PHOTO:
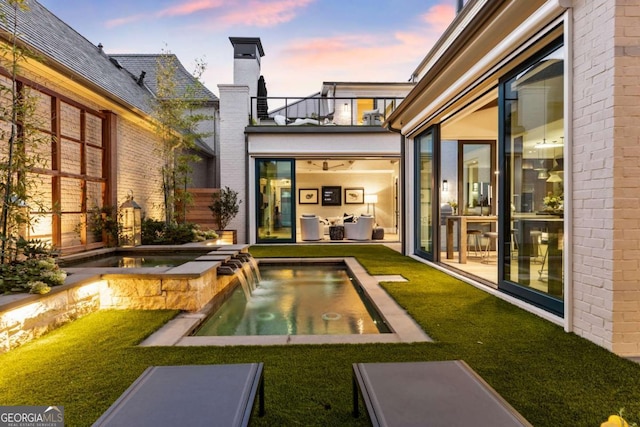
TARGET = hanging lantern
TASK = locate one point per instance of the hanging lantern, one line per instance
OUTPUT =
(131, 221)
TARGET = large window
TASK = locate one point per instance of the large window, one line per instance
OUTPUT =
(66, 144)
(533, 150)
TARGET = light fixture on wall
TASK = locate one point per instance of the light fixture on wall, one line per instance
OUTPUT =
(371, 199)
(445, 186)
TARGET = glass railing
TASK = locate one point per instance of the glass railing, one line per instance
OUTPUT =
(321, 111)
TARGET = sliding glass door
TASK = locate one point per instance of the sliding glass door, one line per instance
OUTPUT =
(426, 196)
(533, 126)
(275, 208)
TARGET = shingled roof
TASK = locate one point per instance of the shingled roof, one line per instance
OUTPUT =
(61, 46)
(147, 63)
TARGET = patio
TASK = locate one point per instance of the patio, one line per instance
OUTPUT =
(552, 378)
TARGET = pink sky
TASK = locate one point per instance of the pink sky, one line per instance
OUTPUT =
(306, 42)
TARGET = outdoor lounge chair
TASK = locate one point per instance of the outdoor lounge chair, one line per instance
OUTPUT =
(193, 395)
(447, 393)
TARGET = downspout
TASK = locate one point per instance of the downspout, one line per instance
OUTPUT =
(247, 186)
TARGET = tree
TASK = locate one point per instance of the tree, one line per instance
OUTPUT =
(177, 128)
(20, 140)
(225, 206)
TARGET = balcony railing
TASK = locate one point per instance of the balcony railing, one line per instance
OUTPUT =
(321, 111)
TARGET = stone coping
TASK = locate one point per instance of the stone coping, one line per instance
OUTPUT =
(403, 328)
(158, 249)
(11, 301)
(78, 276)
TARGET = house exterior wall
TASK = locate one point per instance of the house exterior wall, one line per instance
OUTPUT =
(135, 164)
(626, 158)
(606, 163)
(138, 164)
(602, 237)
(234, 116)
(139, 168)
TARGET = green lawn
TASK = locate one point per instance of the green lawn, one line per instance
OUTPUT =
(551, 377)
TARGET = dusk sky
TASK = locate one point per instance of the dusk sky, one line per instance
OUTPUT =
(306, 42)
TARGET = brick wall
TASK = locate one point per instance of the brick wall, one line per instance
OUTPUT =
(139, 168)
(592, 153)
(606, 154)
(626, 163)
(234, 116)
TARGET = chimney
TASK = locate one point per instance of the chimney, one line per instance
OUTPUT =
(247, 52)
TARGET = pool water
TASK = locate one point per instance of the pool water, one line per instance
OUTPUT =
(297, 300)
(134, 261)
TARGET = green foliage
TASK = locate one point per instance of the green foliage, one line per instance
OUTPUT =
(21, 141)
(156, 232)
(177, 128)
(34, 270)
(105, 221)
(225, 206)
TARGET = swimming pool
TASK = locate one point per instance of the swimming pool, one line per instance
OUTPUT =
(403, 329)
(320, 299)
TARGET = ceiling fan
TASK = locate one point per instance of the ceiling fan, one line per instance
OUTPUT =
(325, 165)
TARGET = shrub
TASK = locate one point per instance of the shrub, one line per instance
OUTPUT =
(34, 271)
(156, 232)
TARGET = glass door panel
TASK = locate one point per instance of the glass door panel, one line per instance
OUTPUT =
(477, 183)
(533, 114)
(424, 218)
(274, 204)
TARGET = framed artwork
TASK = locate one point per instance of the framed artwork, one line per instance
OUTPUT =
(308, 196)
(354, 196)
(331, 196)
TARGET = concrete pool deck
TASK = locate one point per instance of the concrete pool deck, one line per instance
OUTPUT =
(404, 328)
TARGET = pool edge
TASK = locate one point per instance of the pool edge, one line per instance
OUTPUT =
(403, 326)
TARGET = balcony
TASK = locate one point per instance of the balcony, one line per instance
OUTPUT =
(321, 111)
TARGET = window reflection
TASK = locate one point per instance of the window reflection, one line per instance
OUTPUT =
(534, 121)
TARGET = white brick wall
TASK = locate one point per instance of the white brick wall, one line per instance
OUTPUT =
(234, 117)
(139, 168)
(606, 162)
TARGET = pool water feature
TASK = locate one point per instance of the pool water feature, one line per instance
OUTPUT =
(295, 300)
(402, 328)
(133, 260)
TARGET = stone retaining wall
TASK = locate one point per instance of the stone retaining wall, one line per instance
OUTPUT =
(188, 287)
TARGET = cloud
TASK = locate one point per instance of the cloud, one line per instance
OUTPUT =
(190, 7)
(439, 16)
(378, 57)
(263, 13)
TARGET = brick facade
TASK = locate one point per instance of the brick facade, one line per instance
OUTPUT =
(606, 154)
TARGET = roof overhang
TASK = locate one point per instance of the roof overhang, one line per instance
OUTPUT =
(480, 39)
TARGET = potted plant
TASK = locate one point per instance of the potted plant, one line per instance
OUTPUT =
(225, 206)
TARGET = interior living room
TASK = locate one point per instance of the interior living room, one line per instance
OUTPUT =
(335, 200)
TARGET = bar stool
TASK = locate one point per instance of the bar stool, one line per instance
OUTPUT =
(474, 235)
(544, 239)
(490, 236)
(536, 237)
(515, 247)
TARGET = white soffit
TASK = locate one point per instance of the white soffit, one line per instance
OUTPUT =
(530, 26)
